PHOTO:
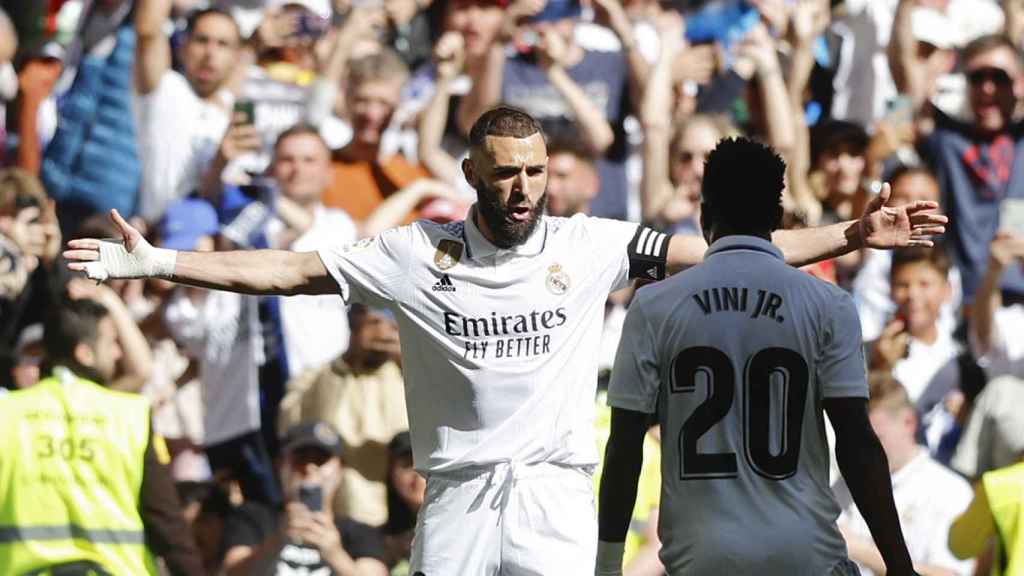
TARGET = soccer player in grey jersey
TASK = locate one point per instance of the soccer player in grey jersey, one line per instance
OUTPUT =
(739, 357)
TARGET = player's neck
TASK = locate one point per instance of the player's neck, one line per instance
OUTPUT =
(719, 232)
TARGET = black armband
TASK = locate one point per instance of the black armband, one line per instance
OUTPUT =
(648, 254)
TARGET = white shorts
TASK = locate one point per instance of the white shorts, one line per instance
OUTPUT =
(512, 520)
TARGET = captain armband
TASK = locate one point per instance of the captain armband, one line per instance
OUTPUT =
(648, 254)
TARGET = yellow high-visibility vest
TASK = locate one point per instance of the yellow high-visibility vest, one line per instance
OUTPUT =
(71, 461)
(1005, 491)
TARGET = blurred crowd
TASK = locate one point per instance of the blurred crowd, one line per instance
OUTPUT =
(245, 124)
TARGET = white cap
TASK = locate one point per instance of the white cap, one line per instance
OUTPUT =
(321, 8)
(934, 27)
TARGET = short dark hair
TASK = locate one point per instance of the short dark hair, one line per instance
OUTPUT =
(989, 42)
(197, 15)
(572, 144)
(71, 323)
(831, 134)
(907, 170)
(935, 256)
(743, 184)
(502, 120)
(301, 129)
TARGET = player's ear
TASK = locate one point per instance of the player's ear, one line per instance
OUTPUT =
(468, 171)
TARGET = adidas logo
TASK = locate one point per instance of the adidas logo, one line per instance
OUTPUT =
(443, 285)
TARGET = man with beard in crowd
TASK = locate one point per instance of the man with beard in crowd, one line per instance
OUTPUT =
(499, 317)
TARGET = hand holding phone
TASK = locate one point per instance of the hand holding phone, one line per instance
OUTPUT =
(311, 496)
(1011, 216)
(245, 110)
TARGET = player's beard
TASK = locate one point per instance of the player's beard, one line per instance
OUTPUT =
(507, 231)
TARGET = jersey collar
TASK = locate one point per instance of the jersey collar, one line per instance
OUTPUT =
(737, 242)
(478, 246)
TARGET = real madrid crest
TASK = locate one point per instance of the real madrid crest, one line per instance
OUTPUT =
(558, 280)
(448, 254)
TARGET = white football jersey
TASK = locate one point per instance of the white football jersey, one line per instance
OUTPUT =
(736, 356)
(498, 346)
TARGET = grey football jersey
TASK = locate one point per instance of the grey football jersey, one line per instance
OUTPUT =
(736, 356)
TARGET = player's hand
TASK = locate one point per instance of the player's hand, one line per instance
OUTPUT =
(885, 227)
(132, 257)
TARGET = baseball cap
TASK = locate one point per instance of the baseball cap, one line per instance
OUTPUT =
(556, 10)
(321, 8)
(933, 27)
(185, 221)
(315, 434)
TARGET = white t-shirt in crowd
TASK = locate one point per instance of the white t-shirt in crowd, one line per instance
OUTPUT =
(1005, 356)
(223, 333)
(315, 328)
(498, 345)
(179, 134)
(736, 356)
(923, 362)
(928, 498)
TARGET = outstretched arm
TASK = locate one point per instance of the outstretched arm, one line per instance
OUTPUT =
(881, 227)
(623, 459)
(248, 272)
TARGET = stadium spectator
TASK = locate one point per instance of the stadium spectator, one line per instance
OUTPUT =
(573, 181)
(206, 507)
(974, 162)
(870, 288)
(315, 328)
(992, 522)
(183, 116)
(28, 356)
(84, 432)
(406, 491)
(362, 178)
(362, 394)
(30, 241)
(928, 495)
(994, 433)
(306, 536)
(92, 162)
(220, 331)
(912, 345)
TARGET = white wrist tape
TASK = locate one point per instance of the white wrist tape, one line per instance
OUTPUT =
(609, 558)
(144, 261)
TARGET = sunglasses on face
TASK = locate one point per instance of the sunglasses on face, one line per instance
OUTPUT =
(995, 75)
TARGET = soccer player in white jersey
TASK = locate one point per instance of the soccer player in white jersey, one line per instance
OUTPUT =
(738, 356)
(500, 318)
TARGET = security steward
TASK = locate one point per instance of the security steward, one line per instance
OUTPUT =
(84, 486)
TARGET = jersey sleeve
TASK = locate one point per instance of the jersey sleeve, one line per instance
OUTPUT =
(635, 251)
(371, 270)
(635, 382)
(841, 366)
